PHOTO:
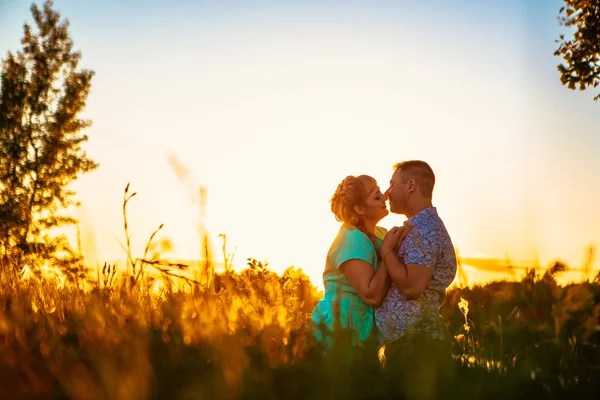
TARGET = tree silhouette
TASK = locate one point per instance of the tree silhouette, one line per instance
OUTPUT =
(581, 54)
(42, 91)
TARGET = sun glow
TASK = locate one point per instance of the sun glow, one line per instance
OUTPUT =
(268, 111)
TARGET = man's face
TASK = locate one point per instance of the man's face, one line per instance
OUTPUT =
(397, 193)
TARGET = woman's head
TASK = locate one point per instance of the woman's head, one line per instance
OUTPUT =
(358, 198)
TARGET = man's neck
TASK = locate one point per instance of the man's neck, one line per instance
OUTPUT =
(417, 208)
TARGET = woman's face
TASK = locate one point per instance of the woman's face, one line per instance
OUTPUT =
(375, 207)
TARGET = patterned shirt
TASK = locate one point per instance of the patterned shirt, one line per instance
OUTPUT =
(428, 244)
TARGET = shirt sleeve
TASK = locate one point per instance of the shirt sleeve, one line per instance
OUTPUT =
(422, 249)
(351, 245)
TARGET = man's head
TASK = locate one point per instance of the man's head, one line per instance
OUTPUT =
(411, 187)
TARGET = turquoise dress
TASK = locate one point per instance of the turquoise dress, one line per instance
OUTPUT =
(340, 297)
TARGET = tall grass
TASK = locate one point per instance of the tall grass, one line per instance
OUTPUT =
(247, 335)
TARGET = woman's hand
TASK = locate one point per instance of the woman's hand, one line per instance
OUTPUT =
(394, 238)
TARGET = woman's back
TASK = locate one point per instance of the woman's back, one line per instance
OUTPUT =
(341, 305)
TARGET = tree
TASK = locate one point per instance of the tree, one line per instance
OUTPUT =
(582, 53)
(42, 91)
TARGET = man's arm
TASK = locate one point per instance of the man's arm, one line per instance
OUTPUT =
(410, 279)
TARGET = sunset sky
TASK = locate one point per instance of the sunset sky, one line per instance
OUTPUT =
(270, 104)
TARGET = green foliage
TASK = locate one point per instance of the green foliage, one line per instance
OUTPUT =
(552, 332)
(248, 336)
(42, 91)
(581, 54)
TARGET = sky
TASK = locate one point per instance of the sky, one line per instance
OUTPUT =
(269, 105)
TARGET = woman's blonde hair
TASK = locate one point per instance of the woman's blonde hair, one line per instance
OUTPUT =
(352, 191)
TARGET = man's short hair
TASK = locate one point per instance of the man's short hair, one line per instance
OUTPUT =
(421, 172)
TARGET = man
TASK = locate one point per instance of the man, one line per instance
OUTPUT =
(421, 269)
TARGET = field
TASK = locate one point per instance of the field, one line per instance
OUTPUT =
(246, 335)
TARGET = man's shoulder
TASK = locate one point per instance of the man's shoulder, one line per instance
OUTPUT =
(430, 232)
(428, 228)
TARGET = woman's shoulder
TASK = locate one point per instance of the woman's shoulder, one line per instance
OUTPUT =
(350, 243)
(349, 232)
(380, 232)
(353, 232)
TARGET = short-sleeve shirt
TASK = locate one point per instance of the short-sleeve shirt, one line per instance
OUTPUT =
(340, 298)
(427, 244)
(349, 244)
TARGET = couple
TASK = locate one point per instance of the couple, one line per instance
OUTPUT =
(383, 285)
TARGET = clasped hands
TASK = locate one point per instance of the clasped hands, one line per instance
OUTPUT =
(393, 239)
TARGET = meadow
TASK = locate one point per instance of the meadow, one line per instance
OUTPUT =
(135, 335)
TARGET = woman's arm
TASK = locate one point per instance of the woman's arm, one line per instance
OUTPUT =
(371, 286)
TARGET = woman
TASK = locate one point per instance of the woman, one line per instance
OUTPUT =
(355, 280)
